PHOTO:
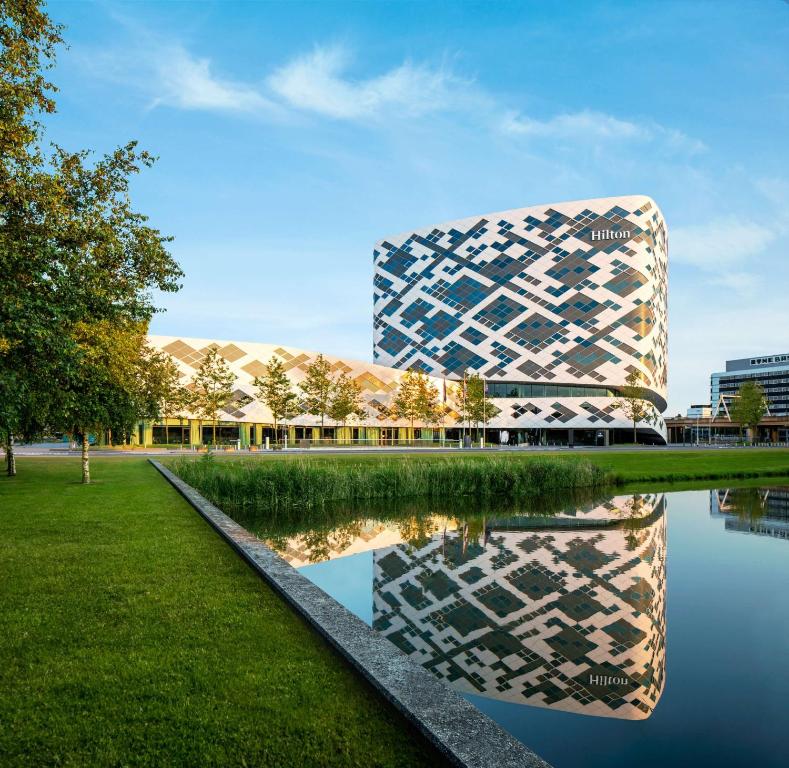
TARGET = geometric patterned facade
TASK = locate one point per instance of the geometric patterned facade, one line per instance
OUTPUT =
(571, 294)
(560, 301)
(378, 383)
(569, 619)
(247, 360)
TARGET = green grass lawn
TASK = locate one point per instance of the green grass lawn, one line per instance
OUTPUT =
(133, 635)
(647, 466)
(676, 466)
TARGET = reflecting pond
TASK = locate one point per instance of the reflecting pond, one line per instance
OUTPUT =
(642, 629)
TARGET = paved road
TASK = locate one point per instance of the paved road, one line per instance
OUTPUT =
(59, 449)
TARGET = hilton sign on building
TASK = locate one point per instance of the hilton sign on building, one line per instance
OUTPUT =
(609, 234)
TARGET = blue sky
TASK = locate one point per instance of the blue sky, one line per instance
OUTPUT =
(292, 136)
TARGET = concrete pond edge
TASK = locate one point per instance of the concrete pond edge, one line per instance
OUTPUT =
(454, 726)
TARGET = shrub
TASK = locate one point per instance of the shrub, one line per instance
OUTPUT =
(302, 484)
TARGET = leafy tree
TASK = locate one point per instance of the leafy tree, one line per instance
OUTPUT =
(73, 252)
(406, 402)
(212, 387)
(274, 390)
(749, 406)
(478, 408)
(106, 385)
(346, 400)
(427, 399)
(165, 395)
(633, 401)
(416, 398)
(23, 409)
(107, 261)
(458, 393)
(317, 386)
(27, 42)
(438, 414)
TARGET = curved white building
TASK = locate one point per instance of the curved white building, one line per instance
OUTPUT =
(553, 305)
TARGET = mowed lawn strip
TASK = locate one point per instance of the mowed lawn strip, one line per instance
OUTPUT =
(658, 465)
(681, 465)
(131, 634)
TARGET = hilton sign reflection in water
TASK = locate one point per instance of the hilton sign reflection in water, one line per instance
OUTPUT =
(546, 614)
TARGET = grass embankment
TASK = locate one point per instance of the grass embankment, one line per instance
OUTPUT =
(667, 466)
(133, 635)
(307, 483)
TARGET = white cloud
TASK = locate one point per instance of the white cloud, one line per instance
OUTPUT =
(589, 126)
(596, 125)
(187, 82)
(722, 242)
(317, 83)
(320, 82)
(745, 284)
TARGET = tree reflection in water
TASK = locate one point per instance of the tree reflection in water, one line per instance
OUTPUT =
(760, 511)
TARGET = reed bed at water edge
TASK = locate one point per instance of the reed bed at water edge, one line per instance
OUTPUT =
(305, 483)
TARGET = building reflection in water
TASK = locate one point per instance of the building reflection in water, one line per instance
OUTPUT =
(760, 511)
(568, 615)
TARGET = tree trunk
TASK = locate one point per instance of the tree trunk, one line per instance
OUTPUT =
(635, 435)
(10, 457)
(166, 432)
(213, 439)
(85, 459)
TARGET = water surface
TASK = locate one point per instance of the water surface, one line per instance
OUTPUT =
(643, 629)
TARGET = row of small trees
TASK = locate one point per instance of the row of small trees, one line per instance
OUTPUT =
(417, 399)
(322, 393)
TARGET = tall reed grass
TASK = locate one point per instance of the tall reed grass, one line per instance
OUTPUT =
(298, 483)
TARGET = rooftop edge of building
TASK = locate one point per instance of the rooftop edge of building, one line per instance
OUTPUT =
(579, 204)
(162, 340)
(756, 362)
